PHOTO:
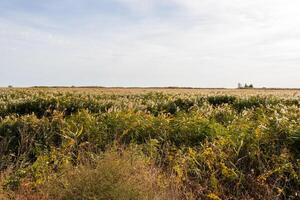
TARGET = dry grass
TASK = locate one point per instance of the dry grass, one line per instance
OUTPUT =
(115, 175)
(196, 91)
(3, 194)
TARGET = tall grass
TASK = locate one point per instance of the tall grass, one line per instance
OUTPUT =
(186, 146)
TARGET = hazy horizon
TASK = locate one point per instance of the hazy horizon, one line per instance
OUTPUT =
(150, 43)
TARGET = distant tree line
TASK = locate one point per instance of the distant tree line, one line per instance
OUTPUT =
(246, 86)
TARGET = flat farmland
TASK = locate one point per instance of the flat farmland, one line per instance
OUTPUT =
(289, 93)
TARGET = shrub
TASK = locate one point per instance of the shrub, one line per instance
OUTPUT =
(23, 139)
(115, 175)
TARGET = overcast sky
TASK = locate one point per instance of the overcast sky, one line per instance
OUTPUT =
(200, 43)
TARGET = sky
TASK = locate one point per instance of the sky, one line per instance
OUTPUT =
(188, 43)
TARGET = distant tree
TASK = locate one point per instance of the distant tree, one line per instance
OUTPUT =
(246, 86)
(10, 86)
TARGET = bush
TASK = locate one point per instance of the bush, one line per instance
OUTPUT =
(115, 175)
(24, 138)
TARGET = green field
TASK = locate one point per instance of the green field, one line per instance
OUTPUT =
(97, 143)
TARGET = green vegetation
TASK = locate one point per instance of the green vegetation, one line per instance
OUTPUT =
(63, 145)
